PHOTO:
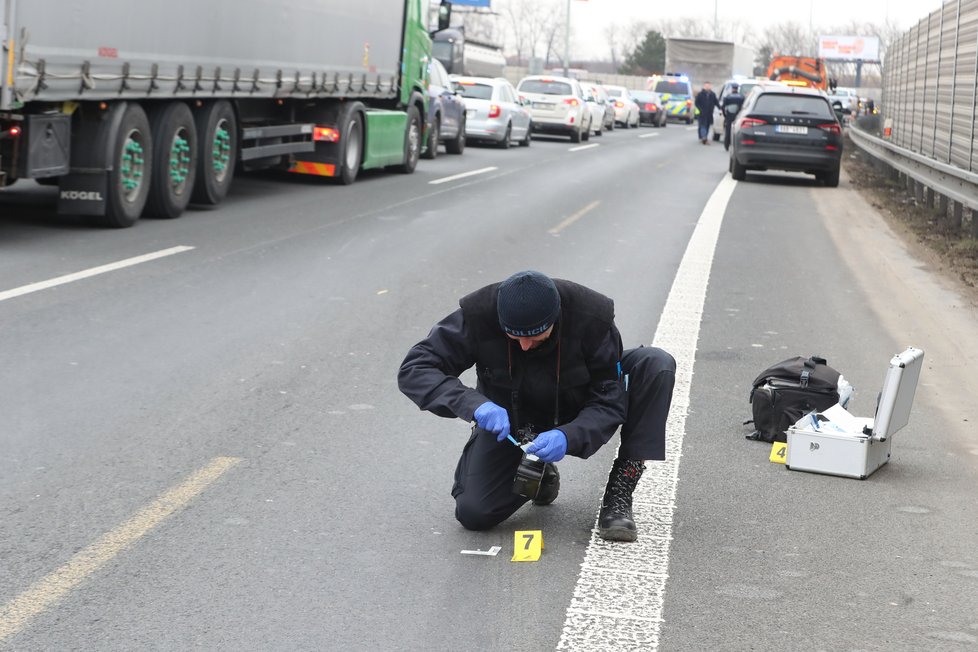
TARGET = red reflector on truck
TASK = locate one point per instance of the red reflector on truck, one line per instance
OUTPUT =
(327, 134)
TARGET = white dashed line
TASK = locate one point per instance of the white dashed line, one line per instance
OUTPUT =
(649, 135)
(583, 147)
(463, 175)
(620, 592)
(94, 271)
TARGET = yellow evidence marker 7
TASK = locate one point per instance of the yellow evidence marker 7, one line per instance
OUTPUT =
(779, 452)
(527, 545)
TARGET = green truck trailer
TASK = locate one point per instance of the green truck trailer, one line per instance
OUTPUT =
(138, 109)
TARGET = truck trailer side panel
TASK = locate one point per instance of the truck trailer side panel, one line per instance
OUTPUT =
(114, 49)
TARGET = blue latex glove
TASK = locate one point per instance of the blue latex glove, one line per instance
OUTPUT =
(493, 418)
(550, 446)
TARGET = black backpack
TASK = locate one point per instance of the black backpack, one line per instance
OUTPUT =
(785, 392)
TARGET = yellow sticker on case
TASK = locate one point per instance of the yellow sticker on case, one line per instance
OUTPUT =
(527, 545)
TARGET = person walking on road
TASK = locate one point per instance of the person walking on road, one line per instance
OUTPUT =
(730, 107)
(550, 370)
(706, 101)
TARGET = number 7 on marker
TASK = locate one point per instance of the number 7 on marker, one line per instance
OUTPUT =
(527, 545)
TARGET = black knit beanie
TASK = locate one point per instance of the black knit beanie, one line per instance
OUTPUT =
(528, 304)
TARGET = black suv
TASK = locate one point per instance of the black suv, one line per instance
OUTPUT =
(785, 127)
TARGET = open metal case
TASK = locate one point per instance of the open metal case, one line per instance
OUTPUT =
(835, 442)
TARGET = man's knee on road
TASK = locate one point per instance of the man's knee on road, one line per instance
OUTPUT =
(473, 514)
(650, 361)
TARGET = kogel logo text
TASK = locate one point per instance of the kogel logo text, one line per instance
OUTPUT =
(81, 195)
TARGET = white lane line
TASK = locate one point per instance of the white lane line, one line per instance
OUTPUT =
(692, 128)
(94, 271)
(463, 175)
(573, 218)
(649, 135)
(611, 605)
(17, 614)
(583, 147)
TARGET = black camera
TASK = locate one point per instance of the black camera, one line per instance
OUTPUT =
(529, 475)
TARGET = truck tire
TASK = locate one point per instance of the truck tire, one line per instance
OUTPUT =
(434, 134)
(217, 152)
(132, 166)
(457, 145)
(174, 160)
(412, 141)
(351, 145)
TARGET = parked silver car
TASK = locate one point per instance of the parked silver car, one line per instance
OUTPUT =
(626, 108)
(602, 109)
(557, 105)
(493, 111)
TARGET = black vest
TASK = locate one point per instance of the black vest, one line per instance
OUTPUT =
(526, 382)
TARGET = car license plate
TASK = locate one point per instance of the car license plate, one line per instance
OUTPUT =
(469, 113)
(791, 129)
(546, 106)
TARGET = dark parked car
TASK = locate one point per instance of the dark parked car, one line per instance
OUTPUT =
(446, 113)
(650, 108)
(787, 128)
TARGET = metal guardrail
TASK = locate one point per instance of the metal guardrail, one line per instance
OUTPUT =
(946, 180)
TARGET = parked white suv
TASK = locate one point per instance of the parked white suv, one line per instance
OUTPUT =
(557, 106)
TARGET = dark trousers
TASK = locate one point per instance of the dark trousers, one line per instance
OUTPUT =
(704, 123)
(483, 489)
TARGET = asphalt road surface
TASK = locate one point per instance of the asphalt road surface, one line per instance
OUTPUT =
(202, 444)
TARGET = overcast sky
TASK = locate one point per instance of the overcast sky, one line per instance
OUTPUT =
(597, 14)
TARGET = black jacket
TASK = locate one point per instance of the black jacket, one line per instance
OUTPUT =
(706, 101)
(584, 350)
(731, 106)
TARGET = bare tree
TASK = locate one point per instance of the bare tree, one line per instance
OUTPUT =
(790, 39)
(684, 27)
(529, 26)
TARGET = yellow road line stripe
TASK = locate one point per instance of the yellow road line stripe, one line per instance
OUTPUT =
(16, 614)
(573, 218)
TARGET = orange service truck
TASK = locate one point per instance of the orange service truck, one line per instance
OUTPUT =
(807, 71)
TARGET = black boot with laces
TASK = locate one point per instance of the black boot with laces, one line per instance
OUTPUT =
(615, 522)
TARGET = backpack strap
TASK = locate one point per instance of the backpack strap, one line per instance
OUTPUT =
(810, 365)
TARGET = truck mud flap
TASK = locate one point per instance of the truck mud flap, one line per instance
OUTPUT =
(48, 139)
(83, 194)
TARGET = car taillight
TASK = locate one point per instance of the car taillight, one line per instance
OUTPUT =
(650, 107)
(13, 132)
(494, 111)
(832, 128)
(689, 103)
(619, 104)
(327, 134)
(572, 101)
(751, 122)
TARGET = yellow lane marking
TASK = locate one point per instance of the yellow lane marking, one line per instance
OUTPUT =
(573, 218)
(16, 614)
